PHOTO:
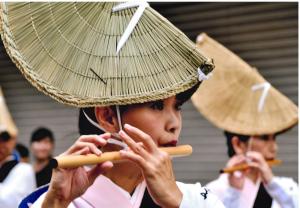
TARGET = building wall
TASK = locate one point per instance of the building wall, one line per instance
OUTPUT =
(264, 34)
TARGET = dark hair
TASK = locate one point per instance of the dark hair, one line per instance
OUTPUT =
(22, 150)
(4, 136)
(229, 136)
(86, 128)
(40, 134)
(186, 95)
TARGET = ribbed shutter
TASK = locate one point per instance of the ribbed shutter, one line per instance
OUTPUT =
(31, 109)
(263, 34)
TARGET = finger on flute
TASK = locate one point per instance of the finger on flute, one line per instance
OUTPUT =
(246, 166)
(73, 161)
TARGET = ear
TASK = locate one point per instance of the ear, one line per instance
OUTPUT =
(107, 119)
(238, 146)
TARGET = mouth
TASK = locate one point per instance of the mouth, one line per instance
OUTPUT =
(172, 143)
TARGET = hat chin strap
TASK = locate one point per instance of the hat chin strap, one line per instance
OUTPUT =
(110, 140)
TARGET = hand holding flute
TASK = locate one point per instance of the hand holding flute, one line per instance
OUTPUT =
(245, 166)
(73, 161)
(249, 164)
(145, 154)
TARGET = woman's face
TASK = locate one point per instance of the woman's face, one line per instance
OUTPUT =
(42, 150)
(159, 119)
(266, 145)
(6, 148)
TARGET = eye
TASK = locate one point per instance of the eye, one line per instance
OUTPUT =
(264, 137)
(158, 105)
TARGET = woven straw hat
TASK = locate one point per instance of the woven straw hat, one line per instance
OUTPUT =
(233, 98)
(73, 52)
(6, 121)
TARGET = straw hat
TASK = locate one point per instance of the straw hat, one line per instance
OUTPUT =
(237, 98)
(6, 121)
(77, 53)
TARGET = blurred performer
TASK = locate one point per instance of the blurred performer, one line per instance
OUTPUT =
(42, 145)
(252, 113)
(16, 178)
(23, 153)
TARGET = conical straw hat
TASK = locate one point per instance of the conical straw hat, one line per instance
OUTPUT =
(6, 121)
(230, 101)
(69, 51)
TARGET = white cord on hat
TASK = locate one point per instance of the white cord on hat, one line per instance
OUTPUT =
(3, 127)
(110, 140)
(265, 86)
(202, 76)
(133, 22)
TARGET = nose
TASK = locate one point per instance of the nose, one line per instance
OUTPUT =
(173, 123)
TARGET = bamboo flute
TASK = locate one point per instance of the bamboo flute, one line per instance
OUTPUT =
(245, 166)
(73, 161)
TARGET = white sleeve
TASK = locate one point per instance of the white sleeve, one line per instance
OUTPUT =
(196, 196)
(231, 197)
(284, 190)
(18, 184)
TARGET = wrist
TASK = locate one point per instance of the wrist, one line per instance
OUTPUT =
(267, 174)
(52, 199)
(268, 178)
(174, 200)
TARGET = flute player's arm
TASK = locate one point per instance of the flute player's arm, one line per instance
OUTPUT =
(228, 186)
(283, 190)
(68, 184)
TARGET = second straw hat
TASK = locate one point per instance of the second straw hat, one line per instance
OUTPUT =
(99, 54)
(6, 121)
(237, 98)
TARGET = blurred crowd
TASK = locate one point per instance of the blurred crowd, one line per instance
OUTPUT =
(18, 176)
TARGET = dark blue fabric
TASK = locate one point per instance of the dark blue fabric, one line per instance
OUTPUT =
(6, 168)
(31, 198)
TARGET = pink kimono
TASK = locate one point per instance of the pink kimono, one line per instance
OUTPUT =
(106, 194)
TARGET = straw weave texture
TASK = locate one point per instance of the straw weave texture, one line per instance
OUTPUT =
(6, 121)
(227, 100)
(68, 51)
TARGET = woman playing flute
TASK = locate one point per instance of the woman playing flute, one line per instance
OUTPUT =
(251, 121)
(134, 70)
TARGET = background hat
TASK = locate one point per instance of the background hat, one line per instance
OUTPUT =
(237, 98)
(69, 51)
(6, 121)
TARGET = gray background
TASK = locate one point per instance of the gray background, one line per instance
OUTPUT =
(263, 34)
